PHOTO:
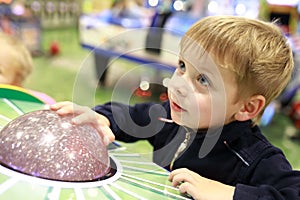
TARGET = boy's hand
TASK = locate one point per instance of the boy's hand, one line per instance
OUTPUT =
(85, 115)
(198, 187)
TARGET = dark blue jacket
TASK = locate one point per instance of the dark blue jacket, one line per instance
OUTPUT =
(241, 156)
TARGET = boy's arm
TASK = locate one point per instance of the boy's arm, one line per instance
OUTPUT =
(132, 123)
(272, 178)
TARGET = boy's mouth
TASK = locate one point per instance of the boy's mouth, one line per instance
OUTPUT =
(176, 107)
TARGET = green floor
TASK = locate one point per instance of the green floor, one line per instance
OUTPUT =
(62, 77)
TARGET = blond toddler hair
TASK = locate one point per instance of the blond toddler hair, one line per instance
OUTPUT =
(16, 57)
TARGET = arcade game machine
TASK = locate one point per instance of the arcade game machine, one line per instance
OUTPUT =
(17, 18)
(286, 15)
(187, 12)
(130, 175)
(286, 12)
(56, 13)
(125, 32)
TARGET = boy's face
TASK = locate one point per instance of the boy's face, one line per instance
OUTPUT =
(201, 94)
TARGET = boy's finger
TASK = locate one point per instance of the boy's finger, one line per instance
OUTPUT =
(106, 133)
(59, 105)
(70, 108)
(102, 129)
(179, 179)
(66, 109)
(176, 172)
(82, 119)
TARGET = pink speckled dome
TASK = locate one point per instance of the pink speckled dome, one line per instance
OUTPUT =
(46, 145)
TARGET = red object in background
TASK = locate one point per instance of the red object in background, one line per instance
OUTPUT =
(295, 114)
(6, 25)
(54, 48)
(142, 93)
(147, 93)
(163, 97)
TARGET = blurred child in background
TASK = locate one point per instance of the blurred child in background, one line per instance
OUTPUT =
(16, 64)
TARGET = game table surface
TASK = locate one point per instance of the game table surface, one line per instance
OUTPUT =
(136, 176)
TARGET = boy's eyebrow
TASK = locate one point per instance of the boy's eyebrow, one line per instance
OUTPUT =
(209, 74)
(204, 70)
(198, 67)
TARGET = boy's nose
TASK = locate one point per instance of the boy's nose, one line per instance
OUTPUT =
(181, 91)
(178, 86)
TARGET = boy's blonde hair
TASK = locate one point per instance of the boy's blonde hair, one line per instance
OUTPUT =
(17, 56)
(256, 51)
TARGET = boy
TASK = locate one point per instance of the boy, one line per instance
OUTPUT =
(229, 69)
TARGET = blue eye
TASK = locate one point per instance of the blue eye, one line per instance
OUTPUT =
(181, 66)
(203, 80)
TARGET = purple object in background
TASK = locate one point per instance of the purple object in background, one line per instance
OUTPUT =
(46, 145)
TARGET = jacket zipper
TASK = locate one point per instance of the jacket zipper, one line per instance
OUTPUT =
(182, 147)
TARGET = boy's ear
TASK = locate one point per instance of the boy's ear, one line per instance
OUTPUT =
(250, 108)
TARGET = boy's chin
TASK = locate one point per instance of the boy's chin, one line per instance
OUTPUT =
(186, 124)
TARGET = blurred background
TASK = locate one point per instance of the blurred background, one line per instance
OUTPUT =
(94, 51)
